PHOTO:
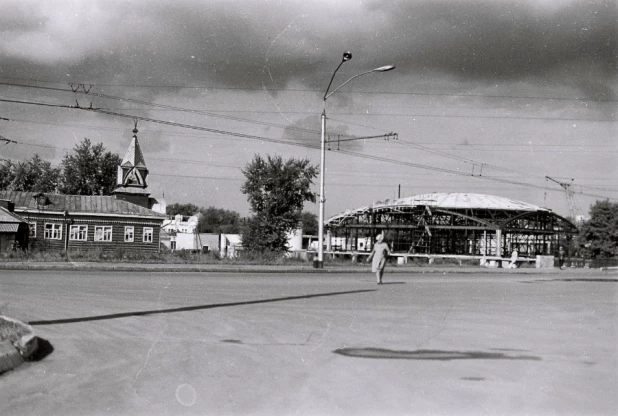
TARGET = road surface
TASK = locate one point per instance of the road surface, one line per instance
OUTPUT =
(147, 343)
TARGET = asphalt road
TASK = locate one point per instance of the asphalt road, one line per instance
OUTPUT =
(144, 343)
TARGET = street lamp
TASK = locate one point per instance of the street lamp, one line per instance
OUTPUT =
(319, 263)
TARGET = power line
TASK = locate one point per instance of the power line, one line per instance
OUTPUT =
(415, 93)
(163, 106)
(261, 138)
(453, 172)
(202, 112)
(477, 147)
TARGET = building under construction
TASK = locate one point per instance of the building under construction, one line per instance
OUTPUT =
(451, 224)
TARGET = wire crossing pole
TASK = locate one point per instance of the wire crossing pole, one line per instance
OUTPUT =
(319, 262)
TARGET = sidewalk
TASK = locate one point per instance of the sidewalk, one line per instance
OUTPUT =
(250, 268)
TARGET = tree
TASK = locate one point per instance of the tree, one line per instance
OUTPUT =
(599, 235)
(218, 220)
(186, 210)
(90, 171)
(34, 175)
(309, 222)
(7, 173)
(276, 191)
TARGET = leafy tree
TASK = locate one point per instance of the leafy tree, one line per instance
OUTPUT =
(7, 173)
(185, 210)
(89, 171)
(263, 236)
(309, 222)
(600, 233)
(34, 175)
(218, 220)
(276, 191)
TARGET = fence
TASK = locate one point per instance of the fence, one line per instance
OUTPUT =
(590, 263)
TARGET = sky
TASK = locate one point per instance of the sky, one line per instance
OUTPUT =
(488, 96)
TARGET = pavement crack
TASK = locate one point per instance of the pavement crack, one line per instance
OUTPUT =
(154, 342)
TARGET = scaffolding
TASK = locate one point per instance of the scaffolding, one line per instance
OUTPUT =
(439, 229)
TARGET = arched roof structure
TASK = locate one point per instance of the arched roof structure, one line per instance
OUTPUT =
(453, 222)
(449, 201)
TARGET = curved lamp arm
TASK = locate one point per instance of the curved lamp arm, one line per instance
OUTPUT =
(346, 57)
(380, 69)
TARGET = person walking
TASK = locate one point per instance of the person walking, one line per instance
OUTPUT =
(379, 254)
(561, 255)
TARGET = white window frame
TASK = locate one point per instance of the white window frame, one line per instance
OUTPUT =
(78, 232)
(52, 231)
(148, 235)
(105, 231)
(32, 229)
(127, 238)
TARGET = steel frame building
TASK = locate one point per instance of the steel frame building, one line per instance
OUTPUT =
(452, 224)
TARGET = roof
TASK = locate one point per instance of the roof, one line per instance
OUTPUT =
(9, 228)
(131, 190)
(449, 201)
(8, 217)
(79, 204)
(233, 239)
(134, 156)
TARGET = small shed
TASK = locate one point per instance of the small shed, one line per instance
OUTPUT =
(13, 229)
(230, 244)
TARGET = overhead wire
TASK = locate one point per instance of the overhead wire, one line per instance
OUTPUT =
(399, 92)
(167, 107)
(223, 132)
(286, 142)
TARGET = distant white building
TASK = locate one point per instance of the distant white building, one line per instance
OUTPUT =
(181, 224)
(182, 231)
(230, 245)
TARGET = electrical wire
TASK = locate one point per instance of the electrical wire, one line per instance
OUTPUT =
(414, 93)
(279, 141)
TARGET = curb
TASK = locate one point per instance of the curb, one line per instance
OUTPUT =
(215, 268)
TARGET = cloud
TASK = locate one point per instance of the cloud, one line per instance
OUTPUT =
(500, 40)
(306, 131)
(249, 45)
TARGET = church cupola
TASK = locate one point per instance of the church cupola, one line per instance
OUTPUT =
(132, 176)
(132, 171)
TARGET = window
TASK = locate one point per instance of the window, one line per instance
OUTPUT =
(52, 231)
(129, 233)
(32, 229)
(103, 233)
(78, 232)
(173, 245)
(148, 234)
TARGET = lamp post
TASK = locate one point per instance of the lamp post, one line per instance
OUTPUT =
(319, 263)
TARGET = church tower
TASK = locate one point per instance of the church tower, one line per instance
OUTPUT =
(132, 176)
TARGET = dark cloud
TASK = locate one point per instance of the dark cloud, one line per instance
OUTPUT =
(307, 130)
(508, 41)
(246, 45)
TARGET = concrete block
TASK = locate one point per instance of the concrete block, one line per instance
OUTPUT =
(19, 334)
(9, 356)
(544, 262)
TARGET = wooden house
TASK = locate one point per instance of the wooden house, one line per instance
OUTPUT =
(129, 220)
(13, 228)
